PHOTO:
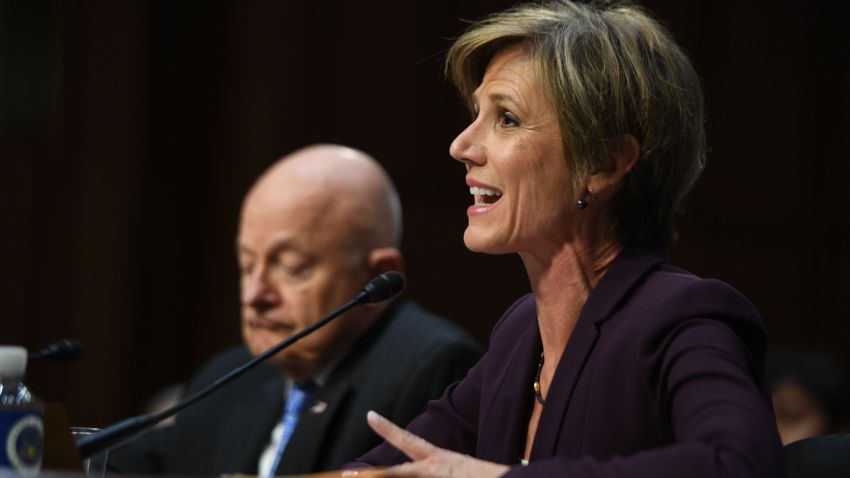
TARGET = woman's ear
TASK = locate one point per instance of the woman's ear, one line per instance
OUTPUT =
(624, 153)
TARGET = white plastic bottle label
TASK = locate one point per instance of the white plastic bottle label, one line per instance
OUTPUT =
(23, 441)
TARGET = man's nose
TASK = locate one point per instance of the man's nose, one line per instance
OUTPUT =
(258, 291)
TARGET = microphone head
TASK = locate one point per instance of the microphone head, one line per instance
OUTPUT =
(63, 350)
(383, 287)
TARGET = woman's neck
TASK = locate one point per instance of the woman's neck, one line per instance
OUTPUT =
(561, 281)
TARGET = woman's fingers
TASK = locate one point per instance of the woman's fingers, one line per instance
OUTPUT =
(429, 461)
(446, 464)
(411, 445)
(405, 470)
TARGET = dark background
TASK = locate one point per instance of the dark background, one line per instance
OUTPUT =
(129, 131)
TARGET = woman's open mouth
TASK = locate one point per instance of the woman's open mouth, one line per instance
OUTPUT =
(485, 196)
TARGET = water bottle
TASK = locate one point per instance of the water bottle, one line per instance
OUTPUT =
(21, 417)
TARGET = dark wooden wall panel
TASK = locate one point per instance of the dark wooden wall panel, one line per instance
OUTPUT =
(129, 132)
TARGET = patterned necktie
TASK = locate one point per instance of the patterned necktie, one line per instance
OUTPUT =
(291, 411)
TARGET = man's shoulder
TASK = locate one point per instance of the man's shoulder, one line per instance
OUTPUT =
(227, 360)
(230, 357)
(418, 329)
(408, 336)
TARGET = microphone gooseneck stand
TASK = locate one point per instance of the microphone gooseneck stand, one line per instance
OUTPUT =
(381, 288)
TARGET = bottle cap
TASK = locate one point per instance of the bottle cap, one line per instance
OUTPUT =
(13, 361)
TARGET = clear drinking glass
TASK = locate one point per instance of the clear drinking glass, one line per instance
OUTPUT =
(95, 465)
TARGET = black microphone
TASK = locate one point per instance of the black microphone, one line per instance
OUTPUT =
(64, 350)
(381, 288)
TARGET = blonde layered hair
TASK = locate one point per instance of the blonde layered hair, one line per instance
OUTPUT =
(610, 70)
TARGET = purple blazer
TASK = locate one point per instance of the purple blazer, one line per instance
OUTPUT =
(662, 376)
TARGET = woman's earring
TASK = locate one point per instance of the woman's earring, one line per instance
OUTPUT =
(585, 201)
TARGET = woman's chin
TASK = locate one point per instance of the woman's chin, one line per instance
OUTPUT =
(476, 241)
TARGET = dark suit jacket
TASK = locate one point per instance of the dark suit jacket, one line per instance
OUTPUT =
(407, 358)
(819, 457)
(661, 377)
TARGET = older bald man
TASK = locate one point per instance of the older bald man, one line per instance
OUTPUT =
(314, 228)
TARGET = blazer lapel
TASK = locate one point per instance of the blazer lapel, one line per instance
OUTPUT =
(560, 392)
(506, 422)
(302, 451)
(249, 428)
(625, 272)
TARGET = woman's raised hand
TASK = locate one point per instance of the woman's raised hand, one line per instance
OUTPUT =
(428, 460)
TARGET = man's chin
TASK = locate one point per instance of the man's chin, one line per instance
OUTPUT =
(291, 360)
(258, 345)
(294, 365)
(279, 359)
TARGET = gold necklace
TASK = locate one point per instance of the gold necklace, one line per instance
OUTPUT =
(537, 393)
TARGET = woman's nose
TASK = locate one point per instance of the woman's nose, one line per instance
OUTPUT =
(467, 148)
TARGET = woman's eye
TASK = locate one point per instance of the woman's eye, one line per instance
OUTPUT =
(508, 119)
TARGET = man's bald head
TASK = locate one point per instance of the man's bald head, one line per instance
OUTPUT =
(314, 229)
(342, 181)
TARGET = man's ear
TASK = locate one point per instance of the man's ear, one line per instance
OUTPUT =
(624, 153)
(385, 259)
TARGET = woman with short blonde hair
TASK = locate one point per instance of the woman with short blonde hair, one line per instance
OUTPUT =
(588, 132)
